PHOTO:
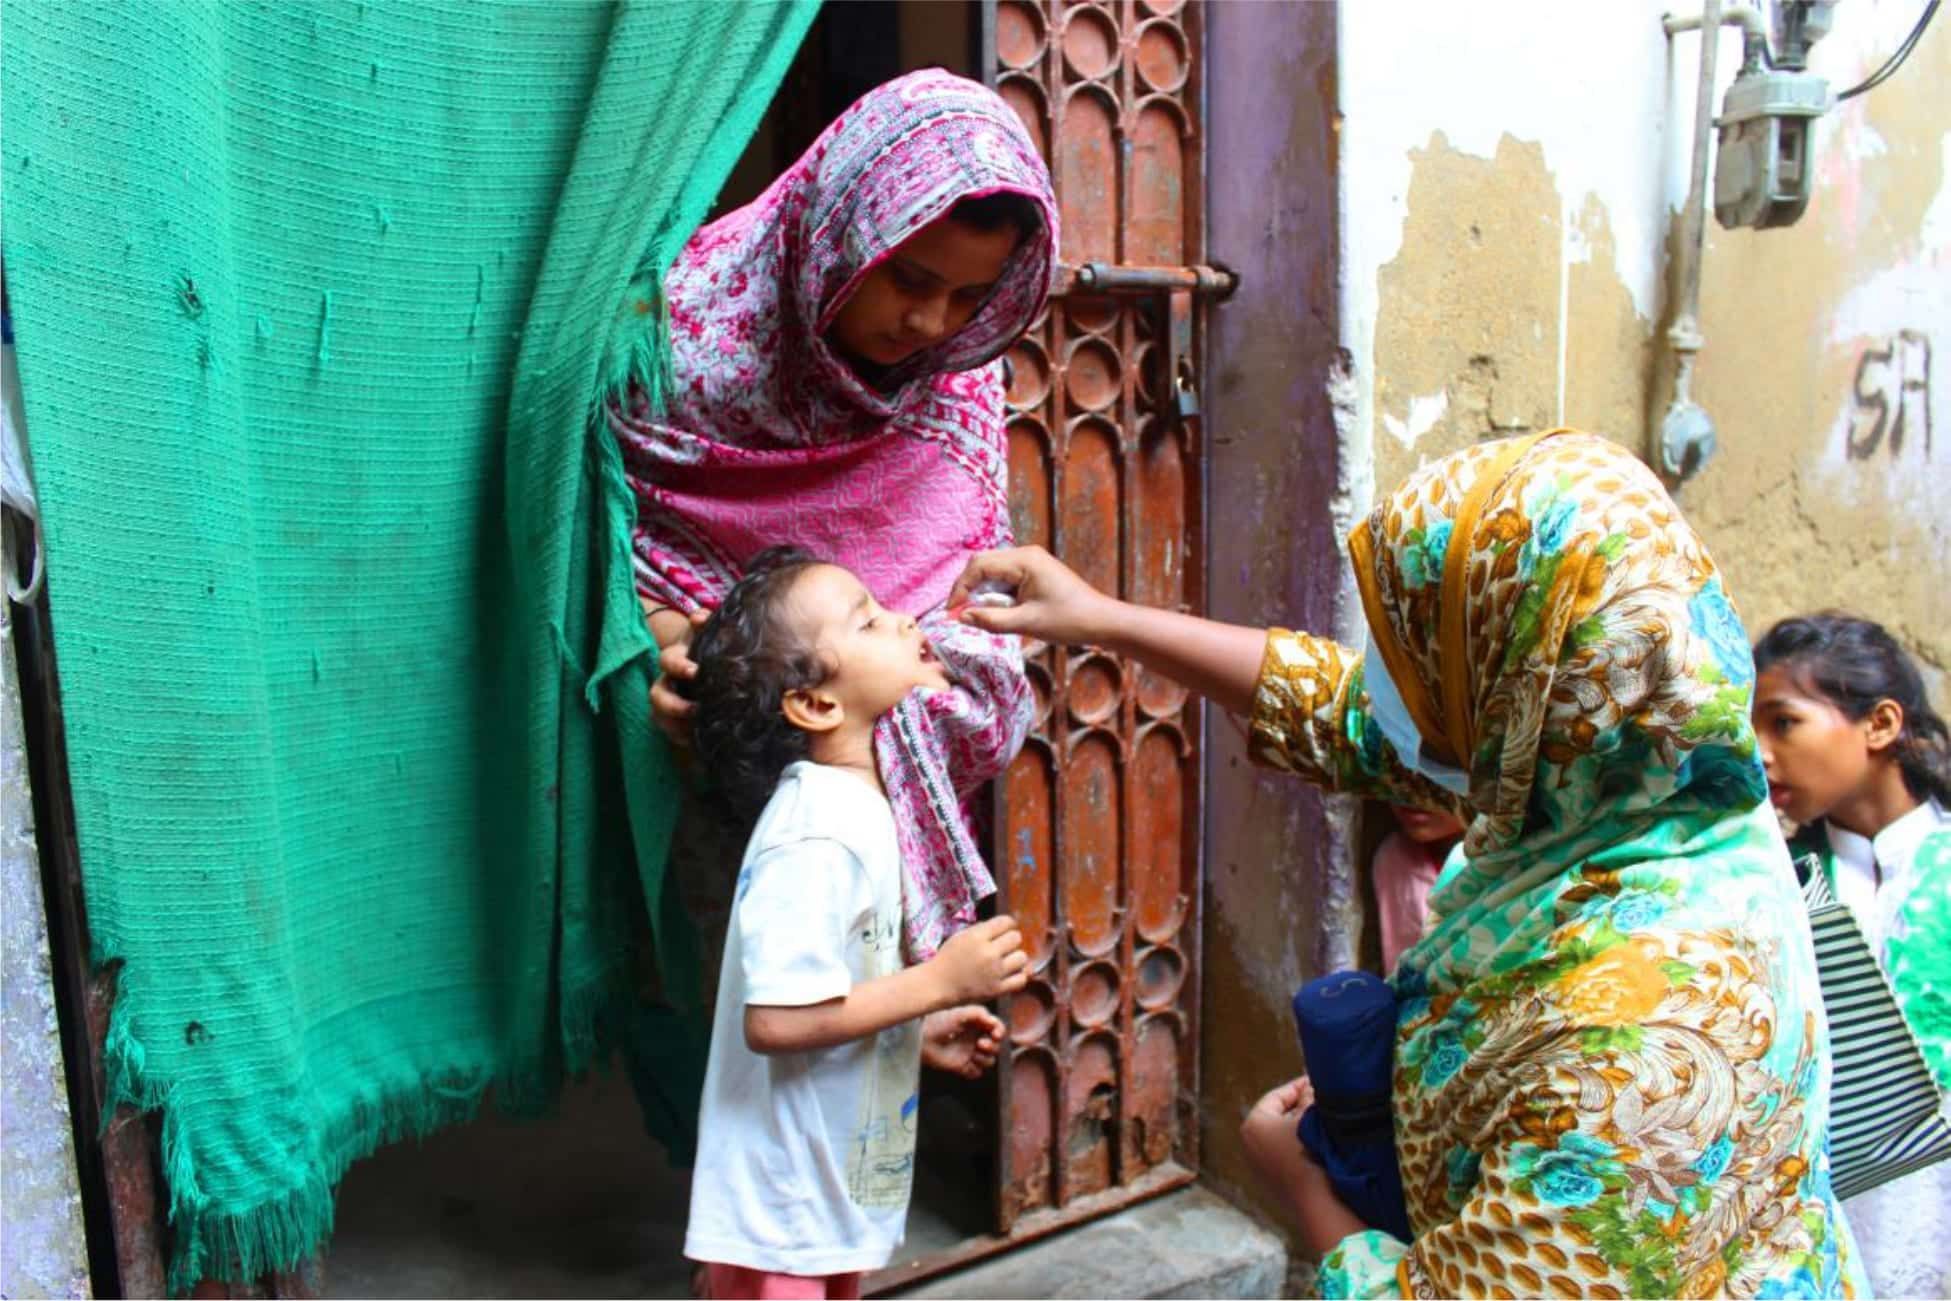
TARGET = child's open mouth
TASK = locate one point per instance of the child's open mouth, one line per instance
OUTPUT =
(927, 652)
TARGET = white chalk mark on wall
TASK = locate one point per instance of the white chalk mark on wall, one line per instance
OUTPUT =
(1424, 412)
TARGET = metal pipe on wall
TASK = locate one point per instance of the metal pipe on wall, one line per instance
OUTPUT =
(1686, 434)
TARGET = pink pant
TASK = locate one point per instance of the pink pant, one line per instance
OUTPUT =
(737, 1283)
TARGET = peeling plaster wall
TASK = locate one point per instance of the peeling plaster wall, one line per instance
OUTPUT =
(1510, 193)
(1487, 164)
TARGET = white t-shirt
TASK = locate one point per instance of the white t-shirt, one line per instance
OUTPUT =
(805, 1159)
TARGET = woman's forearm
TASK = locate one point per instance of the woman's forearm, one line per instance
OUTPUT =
(1220, 661)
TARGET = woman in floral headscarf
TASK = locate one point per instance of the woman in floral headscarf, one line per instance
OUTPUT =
(1611, 1062)
(837, 385)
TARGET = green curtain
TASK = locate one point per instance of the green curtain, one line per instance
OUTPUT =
(315, 307)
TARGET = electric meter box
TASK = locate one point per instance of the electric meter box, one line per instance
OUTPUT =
(1764, 171)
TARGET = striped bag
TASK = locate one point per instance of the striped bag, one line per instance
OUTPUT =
(1884, 1120)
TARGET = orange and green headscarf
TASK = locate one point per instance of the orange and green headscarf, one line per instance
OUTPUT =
(1558, 631)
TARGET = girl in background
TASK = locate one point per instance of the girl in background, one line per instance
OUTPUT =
(1861, 763)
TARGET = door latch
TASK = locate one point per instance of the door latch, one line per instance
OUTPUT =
(1178, 286)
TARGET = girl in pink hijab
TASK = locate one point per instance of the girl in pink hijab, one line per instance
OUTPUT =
(837, 385)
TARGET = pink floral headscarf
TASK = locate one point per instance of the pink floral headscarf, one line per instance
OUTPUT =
(768, 437)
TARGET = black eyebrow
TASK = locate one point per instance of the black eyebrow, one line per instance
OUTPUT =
(859, 605)
(915, 269)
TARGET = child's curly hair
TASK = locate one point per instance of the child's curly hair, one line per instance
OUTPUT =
(748, 659)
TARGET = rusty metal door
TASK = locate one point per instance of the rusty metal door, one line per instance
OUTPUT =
(1098, 821)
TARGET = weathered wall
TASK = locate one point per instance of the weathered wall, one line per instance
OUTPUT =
(1511, 191)
(1828, 368)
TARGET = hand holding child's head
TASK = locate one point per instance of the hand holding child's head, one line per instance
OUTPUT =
(982, 962)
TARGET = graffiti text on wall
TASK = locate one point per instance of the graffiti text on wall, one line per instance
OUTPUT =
(1893, 397)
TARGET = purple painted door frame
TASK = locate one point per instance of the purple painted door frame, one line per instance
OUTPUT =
(1279, 887)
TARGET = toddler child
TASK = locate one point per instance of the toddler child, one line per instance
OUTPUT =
(1406, 865)
(807, 1130)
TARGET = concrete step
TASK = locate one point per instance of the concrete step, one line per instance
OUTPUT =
(1190, 1243)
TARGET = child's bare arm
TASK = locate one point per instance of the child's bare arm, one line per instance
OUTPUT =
(868, 1008)
(978, 964)
(1291, 1176)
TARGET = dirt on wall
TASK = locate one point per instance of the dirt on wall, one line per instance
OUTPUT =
(1819, 336)
(1609, 353)
(1477, 309)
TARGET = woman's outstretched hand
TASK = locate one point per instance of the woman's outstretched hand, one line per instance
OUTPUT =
(1052, 603)
(1219, 661)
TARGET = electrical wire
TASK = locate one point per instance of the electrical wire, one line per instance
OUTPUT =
(1896, 60)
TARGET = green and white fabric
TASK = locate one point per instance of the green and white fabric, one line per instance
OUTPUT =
(1893, 1109)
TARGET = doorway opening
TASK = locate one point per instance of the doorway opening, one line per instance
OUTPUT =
(584, 1202)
